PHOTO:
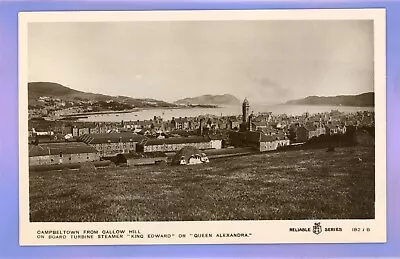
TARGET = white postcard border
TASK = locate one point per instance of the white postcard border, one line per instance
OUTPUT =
(263, 231)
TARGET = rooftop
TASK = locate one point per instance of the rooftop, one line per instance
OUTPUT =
(182, 140)
(111, 138)
(57, 148)
(144, 155)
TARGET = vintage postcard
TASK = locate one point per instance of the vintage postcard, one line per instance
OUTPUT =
(202, 127)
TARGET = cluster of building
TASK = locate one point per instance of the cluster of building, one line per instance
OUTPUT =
(50, 106)
(59, 142)
(62, 153)
(93, 147)
(57, 108)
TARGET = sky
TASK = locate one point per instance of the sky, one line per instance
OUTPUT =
(265, 61)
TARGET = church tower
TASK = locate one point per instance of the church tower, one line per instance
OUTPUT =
(245, 109)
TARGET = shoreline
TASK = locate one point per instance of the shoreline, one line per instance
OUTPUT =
(149, 112)
(99, 113)
(136, 110)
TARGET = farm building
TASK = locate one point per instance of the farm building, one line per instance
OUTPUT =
(189, 155)
(61, 153)
(146, 158)
(216, 142)
(111, 144)
(132, 159)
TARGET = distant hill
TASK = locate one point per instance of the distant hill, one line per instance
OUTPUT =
(361, 100)
(55, 90)
(225, 99)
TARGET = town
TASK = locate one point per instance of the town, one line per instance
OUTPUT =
(185, 140)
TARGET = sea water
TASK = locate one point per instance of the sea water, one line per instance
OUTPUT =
(168, 113)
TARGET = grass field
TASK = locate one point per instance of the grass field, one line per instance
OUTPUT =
(312, 184)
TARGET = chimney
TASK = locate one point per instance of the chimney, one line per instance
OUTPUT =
(250, 122)
(201, 127)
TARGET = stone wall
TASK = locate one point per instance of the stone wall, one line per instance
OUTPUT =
(63, 159)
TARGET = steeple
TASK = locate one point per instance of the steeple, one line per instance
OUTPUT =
(245, 109)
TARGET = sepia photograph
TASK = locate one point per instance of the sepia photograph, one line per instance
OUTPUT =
(201, 120)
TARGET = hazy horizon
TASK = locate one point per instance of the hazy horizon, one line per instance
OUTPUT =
(217, 94)
(265, 61)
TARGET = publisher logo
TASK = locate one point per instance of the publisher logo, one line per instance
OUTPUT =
(317, 229)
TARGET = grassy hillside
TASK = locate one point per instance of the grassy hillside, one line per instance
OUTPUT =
(50, 89)
(312, 184)
(361, 100)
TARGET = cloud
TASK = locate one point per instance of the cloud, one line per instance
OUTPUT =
(264, 89)
(265, 61)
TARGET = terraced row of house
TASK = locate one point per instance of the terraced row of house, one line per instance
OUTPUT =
(262, 133)
(93, 147)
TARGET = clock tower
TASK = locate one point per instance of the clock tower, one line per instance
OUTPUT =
(245, 109)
